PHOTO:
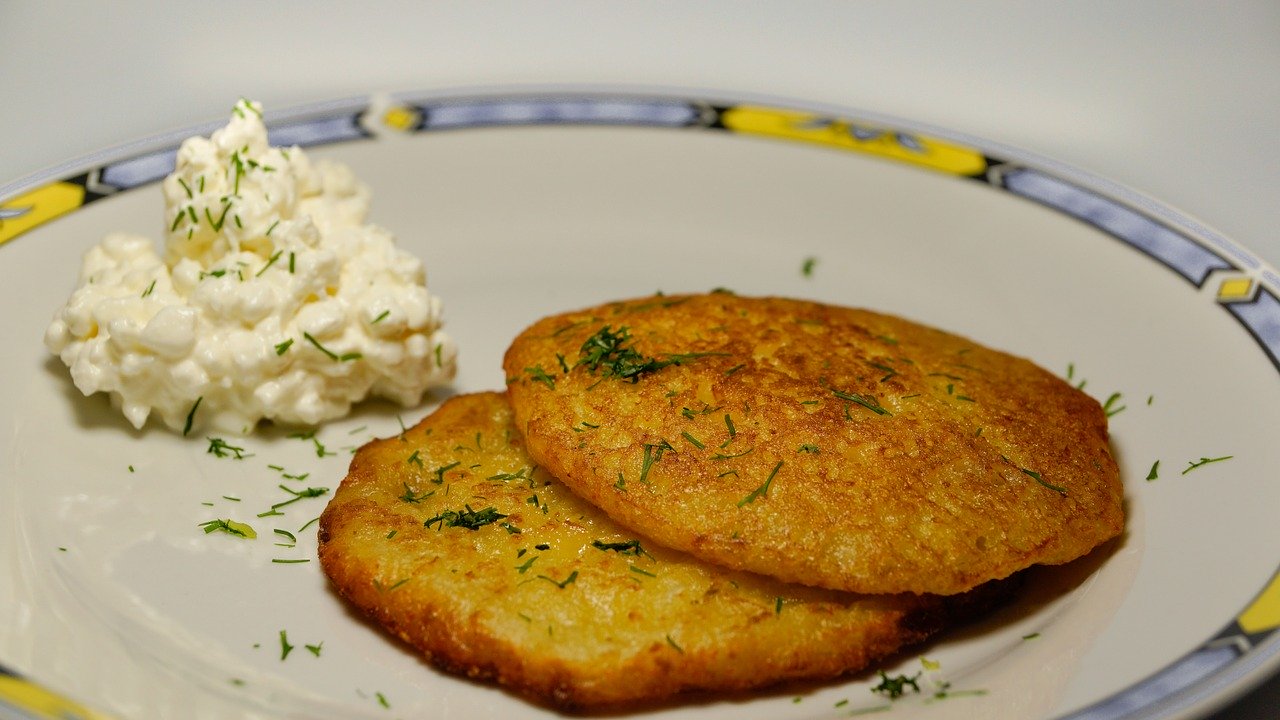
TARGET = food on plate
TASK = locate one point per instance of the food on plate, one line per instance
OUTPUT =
(273, 298)
(455, 540)
(816, 444)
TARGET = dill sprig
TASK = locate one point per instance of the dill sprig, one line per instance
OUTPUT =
(867, 401)
(608, 352)
(466, 518)
(896, 687)
(763, 490)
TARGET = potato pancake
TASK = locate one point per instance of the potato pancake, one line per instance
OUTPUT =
(816, 444)
(450, 537)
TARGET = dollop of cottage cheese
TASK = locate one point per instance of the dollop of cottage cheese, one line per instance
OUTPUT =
(273, 299)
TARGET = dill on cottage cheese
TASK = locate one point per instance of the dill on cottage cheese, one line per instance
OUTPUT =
(272, 298)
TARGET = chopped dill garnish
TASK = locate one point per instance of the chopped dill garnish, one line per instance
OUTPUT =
(1036, 476)
(415, 458)
(285, 647)
(282, 347)
(806, 268)
(693, 441)
(332, 355)
(219, 448)
(283, 561)
(734, 369)
(230, 527)
(646, 463)
(1109, 407)
(641, 571)
(889, 371)
(270, 261)
(539, 375)
(380, 318)
(466, 518)
(524, 473)
(867, 401)
(608, 350)
(896, 687)
(944, 691)
(1204, 461)
(628, 547)
(217, 224)
(150, 289)
(806, 448)
(728, 423)
(562, 584)
(440, 471)
(673, 644)
(410, 496)
(1155, 469)
(723, 456)
(321, 450)
(763, 490)
(191, 416)
(311, 492)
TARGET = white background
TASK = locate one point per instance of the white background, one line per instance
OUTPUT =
(1177, 100)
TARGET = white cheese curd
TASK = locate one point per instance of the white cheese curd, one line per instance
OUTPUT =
(273, 299)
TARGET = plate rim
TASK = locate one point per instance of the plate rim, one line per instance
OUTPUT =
(1257, 654)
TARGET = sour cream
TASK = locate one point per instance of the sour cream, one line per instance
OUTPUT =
(272, 298)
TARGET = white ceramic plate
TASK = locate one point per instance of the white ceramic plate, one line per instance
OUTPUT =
(524, 204)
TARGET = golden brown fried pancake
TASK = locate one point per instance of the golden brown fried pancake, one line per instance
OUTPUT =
(450, 538)
(816, 444)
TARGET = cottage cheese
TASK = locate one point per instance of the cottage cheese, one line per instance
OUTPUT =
(272, 300)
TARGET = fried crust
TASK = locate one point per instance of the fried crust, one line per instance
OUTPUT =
(816, 444)
(559, 604)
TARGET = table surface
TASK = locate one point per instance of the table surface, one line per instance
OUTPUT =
(1174, 99)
